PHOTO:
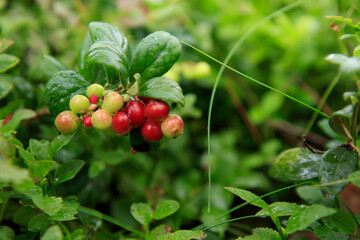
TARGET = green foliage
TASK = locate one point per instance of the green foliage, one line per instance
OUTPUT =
(46, 179)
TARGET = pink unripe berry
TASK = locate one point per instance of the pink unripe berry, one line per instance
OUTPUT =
(66, 122)
(93, 99)
(156, 111)
(135, 110)
(151, 131)
(173, 126)
(121, 123)
(101, 119)
(87, 122)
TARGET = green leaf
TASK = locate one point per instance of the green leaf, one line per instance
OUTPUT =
(295, 165)
(343, 221)
(263, 234)
(49, 65)
(314, 195)
(186, 235)
(76, 235)
(53, 233)
(61, 88)
(59, 142)
(159, 233)
(165, 208)
(323, 232)
(40, 149)
(7, 61)
(99, 31)
(23, 215)
(113, 157)
(5, 88)
(42, 168)
(155, 55)
(111, 55)
(6, 233)
(356, 51)
(27, 157)
(38, 223)
(142, 213)
(11, 107)
(280, 209)
(163, 88)
(68, 170)
(64, 214)
(49, 205)
(305, 216)
(342, 119)
(249, 197)
(5, 43)
(19, 115)
(337, 164)
(34, 191)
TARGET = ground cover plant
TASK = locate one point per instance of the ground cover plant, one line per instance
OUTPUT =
(159, 120)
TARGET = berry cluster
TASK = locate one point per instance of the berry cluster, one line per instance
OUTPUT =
(105, 109)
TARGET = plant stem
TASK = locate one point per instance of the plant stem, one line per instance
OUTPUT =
(354, 122)
(110, 219)
(258, 82)
(327, 92)
(202, 226)
(227, 59)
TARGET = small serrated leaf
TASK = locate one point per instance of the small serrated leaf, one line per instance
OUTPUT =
(68, 170)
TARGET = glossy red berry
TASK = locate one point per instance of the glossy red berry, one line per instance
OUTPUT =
(156, 111)
(173, 126)
(121, 123)
(151, 131)
(135, 111)
(93, 99)
(87, 122)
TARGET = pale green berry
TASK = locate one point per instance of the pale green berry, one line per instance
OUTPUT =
(95, 89)
(79, 103)
(113, 102)
(101, 119)
(66, 122)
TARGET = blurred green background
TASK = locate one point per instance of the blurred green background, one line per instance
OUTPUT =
(250, 124)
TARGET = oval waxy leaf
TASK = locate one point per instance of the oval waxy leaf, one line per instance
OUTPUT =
(142, 213)
(337, 164)
(295, 165)
(163, 88)
(61, 88)
(155, 55)
(165, 208)
(7, 61)
(110, 55)
(342, 119)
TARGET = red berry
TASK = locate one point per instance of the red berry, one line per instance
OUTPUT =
(156, 111)
(135, 111)
(173, 126)
(93, 99)
(87, 122)
(121, 123)
(151, 131)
